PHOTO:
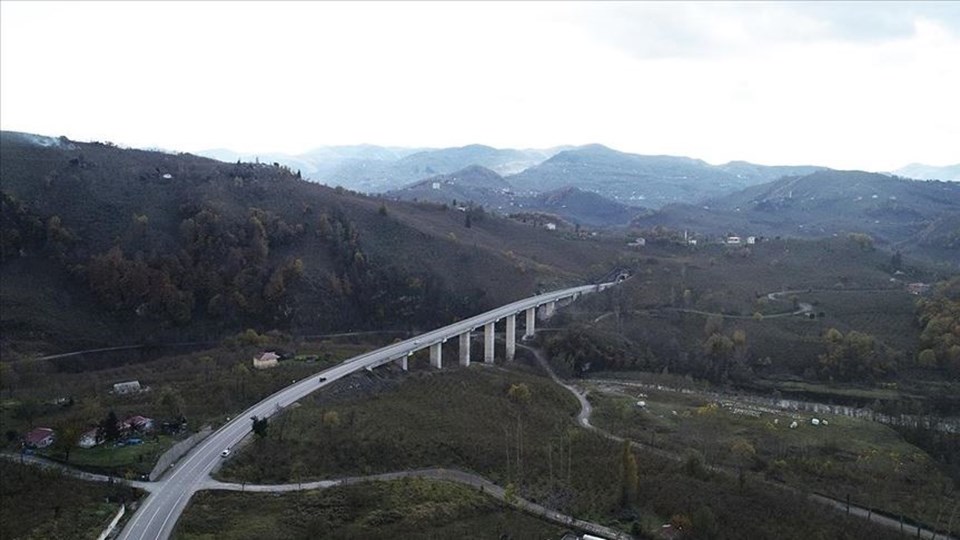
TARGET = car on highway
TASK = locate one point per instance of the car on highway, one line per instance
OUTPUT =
(225, 453)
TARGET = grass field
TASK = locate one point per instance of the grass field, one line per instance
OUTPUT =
(39, 504)
(457, 417)
(412, 508)
(126, 461)
(464, 418)
(868, 461)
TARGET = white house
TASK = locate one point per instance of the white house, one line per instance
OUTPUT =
(551, 226)
(88, 439)
(265, 360)
(733, 240)
(129, 387)
(751, 240)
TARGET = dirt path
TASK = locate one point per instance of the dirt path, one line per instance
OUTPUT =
(583, 418)
(44, 463)
(446, 475)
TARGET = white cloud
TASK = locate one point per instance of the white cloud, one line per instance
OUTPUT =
(848, 85)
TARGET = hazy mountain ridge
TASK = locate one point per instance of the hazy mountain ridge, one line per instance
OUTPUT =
(902, 214)
(481, 186)
(639, 180)
(379, 176)
(921, 171)
(141, 245)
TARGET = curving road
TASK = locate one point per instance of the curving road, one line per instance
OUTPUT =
(448, 475)
(583, 418)
(157, 515)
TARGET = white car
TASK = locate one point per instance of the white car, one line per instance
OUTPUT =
(225, 453)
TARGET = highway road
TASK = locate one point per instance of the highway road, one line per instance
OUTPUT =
(158, 513)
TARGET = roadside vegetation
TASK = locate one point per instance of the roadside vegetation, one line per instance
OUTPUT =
(74, 395)
(410, 508)
(839, 456)
(517, 428)
(46, 504)
(707, 312)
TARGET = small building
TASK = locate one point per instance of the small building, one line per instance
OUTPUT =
(751, 240)
(88, 439)
(639, 242)
(435, 185)
(733, 240)
(265, 360)
(40, 437)
(139, 423)
(551, 226)
(129, 387)
(918, 288)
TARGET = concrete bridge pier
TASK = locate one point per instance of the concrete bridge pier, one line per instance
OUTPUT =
(488, 343)
(531, 323)
(402, 362)
(436, 355)
(511, 337)
(550, 310)
(465, 348)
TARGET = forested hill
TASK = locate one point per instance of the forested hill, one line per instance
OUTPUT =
(103, 245)
(917, 217)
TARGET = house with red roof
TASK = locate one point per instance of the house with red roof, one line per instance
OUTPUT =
(40, 437)
(138, 423)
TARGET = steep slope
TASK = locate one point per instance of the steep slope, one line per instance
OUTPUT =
(634, 179)
(132, 245)
(583, 207)
(903, 214)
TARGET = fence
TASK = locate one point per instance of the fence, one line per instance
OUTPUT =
(113, 523)
(177, 451)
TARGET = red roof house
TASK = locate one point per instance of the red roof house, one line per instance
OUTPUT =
(40, 437)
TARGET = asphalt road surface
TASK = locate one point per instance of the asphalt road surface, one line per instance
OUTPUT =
(158, 513)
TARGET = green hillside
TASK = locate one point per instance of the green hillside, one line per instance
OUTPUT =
(103, 245)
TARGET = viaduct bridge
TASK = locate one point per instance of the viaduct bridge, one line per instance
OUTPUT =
(158, 513)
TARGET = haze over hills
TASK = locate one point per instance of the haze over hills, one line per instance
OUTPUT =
(651, 181)
(916, 217)
(375, 169)
(480, 186)
(140, 245)
(633, 179)
(318, 163)
(930, 172)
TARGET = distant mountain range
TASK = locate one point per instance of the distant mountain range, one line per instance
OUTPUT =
(918, 217)
(104, 245)
(481, 186)
(649, 181)
(930, 172)
(631, 179)
(597, 186)
(376, 169)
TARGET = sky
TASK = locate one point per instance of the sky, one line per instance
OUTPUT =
(857, 85)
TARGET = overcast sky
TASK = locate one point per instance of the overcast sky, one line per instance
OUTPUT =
(860, 85)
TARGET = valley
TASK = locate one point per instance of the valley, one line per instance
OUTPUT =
(176, 272)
